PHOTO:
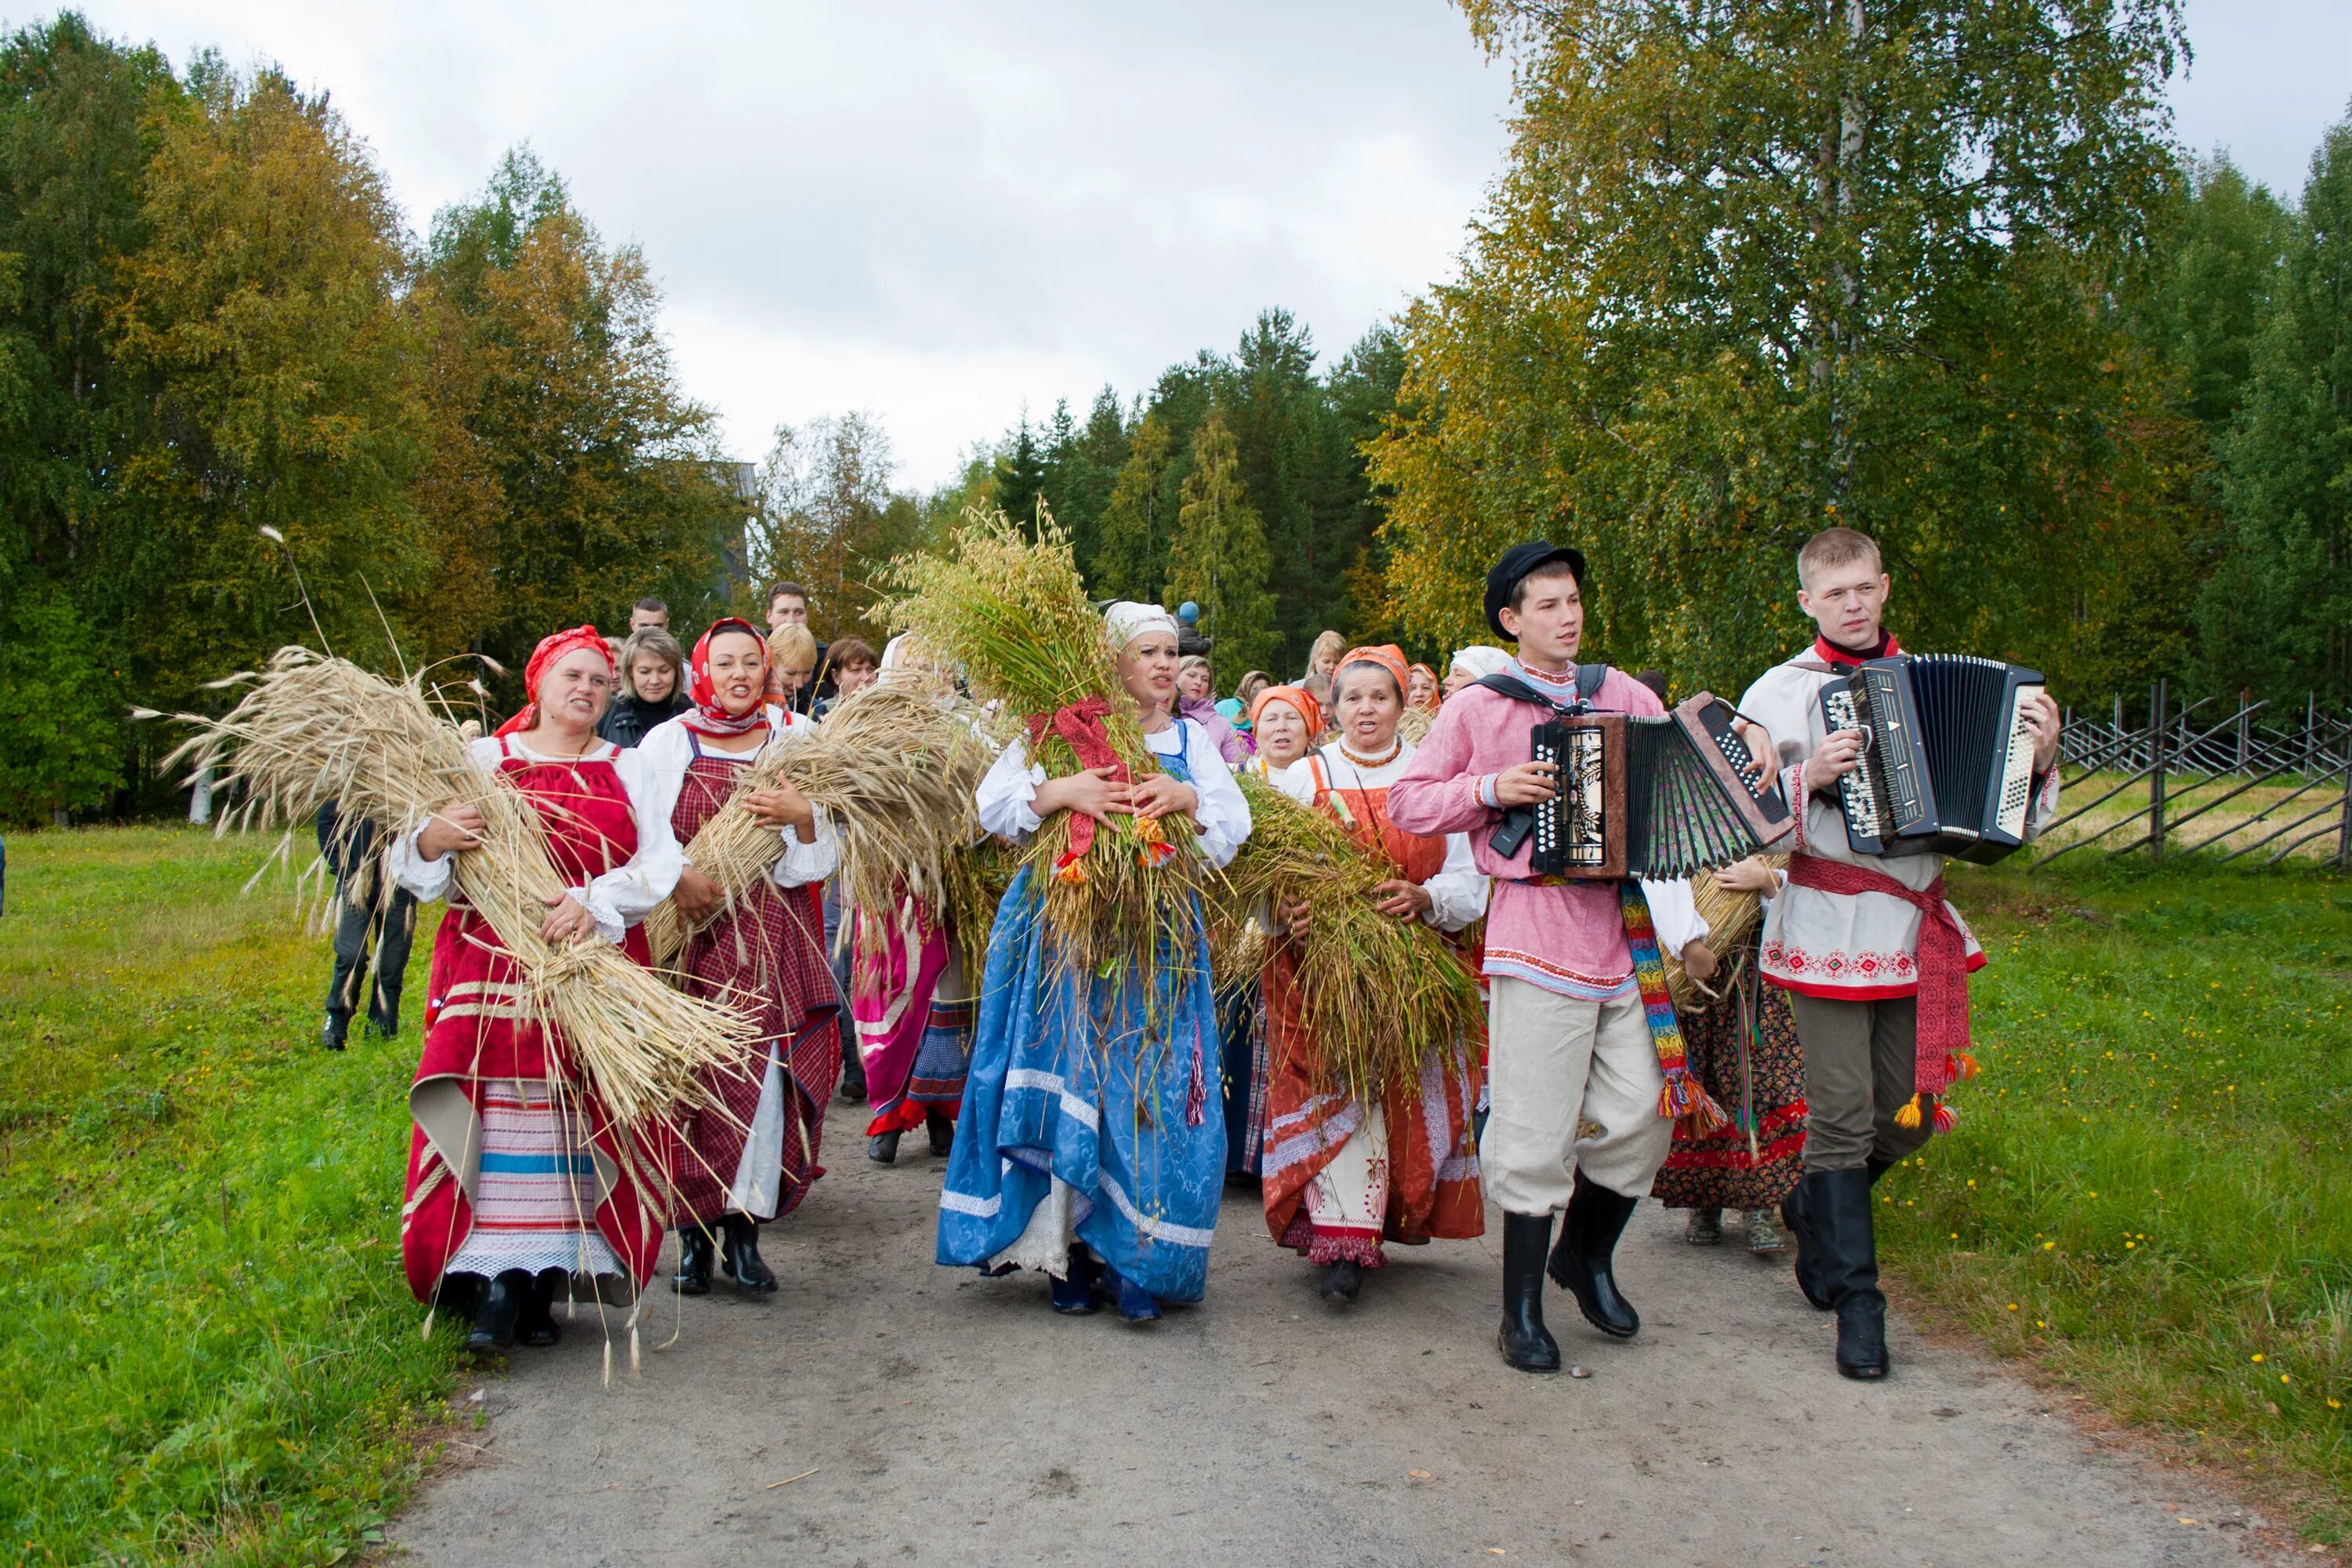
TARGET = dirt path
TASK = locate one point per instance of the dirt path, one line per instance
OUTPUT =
(950, 1420)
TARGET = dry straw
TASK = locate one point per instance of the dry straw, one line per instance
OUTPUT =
(315, 729)
(895, 769)
(1007, 608)
(1377, 994)
(1729, 918)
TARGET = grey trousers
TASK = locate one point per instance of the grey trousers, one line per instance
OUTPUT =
(1860, 1061)
(390, 923)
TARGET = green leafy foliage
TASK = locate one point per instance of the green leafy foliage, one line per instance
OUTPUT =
(1219, 558)
(60, 711)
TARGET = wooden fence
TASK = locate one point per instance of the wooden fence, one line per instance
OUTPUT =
(2288, 775)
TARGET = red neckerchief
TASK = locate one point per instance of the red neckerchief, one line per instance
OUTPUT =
(1838, 657)
(710, 718)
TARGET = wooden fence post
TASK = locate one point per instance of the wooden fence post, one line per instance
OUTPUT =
(2156, 703)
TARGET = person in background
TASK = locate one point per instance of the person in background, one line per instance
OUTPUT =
(363, 917)
(1423, 696)
(1246, 693)
(1196, 699)
(653, 687)
(1323, 658)
(648, 612)
(1473, 664)
(1319, 687)
(788, 605)
(1284, 721)
(854, 665)
(792, 659)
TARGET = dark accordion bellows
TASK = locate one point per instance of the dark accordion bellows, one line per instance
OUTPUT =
(1947, 758)
(1651, 797)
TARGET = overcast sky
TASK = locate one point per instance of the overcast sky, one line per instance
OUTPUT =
(947, 214)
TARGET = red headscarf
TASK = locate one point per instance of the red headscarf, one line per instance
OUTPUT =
(1388, 656)
(551, 647)
(1299, 697)
(709, 716)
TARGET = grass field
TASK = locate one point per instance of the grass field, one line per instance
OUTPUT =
(213, 1355)
(211, 1351)
(2149, 1194)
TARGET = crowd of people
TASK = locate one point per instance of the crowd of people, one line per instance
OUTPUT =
(1092, 1119)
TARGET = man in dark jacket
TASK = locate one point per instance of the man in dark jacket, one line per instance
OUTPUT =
(362, 913)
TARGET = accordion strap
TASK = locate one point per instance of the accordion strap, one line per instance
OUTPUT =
(1589, 678)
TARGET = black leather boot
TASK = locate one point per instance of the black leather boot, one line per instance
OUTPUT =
(693, 1275)
(940, 1129)
(537, 1326)
(494, 1320)
(1797, 1216)
(1526, 1343)
(853, 1077)
(1584, 1261)
(1342, 1280)
(740, 1256)
(883, 1148)
(1839, 1202)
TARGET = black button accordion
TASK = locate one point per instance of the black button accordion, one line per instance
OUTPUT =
(1651, 797)
(1947, 756)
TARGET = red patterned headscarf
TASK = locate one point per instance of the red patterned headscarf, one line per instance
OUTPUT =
(551, 647)
(711, 716)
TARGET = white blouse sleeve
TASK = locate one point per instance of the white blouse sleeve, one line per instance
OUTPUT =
(1224, 814)
(820, 858)
(1005, 792)
(1457, 894)
(1673, 914)
(429, 880)
(626, 894)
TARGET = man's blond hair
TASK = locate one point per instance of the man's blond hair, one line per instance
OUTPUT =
(1833, 547)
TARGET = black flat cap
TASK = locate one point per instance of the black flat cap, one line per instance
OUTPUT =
(1504, 576)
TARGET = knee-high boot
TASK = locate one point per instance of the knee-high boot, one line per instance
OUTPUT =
(1526, 1343)
(1798, 1218)
(1839, 1205)
(1585, 1261)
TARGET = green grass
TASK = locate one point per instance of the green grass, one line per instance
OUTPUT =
(2149, 1193)
(211, 1351)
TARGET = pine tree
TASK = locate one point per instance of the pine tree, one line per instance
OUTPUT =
(1132, 545)
(1219, 558)
(1020, 482)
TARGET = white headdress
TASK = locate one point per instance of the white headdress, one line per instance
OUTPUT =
(1478, 661)
(1127, 620)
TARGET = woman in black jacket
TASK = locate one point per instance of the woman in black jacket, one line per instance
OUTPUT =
(653, 687)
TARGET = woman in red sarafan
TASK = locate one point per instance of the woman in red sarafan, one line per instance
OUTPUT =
(518, 1180)
(1340, 1175)
(756, 1159)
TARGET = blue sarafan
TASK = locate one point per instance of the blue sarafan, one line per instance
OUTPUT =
(1093, 1111)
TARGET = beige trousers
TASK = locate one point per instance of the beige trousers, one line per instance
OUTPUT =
(1570, 1084)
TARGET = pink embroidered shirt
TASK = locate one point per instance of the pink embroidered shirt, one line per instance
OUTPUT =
(1568, 938)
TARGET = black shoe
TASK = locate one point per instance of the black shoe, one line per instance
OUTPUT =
(337, 1031)
(1583, 1261)
(853, 1078)
(694, 1251)
(1342, 1280)
(1838, 1202)
(740, 1256)
(940, 1128)
(1798, 1219)
(537, 1326)
(1077, 1294)
(494, 1320)
(1526, 1343)
(883, 1148)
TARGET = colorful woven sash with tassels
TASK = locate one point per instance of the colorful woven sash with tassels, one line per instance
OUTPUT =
(1683, 1098)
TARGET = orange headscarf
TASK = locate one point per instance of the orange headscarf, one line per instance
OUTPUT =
(553, 647)
(1299, 699)
(1388, 656)
(1430, 706)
